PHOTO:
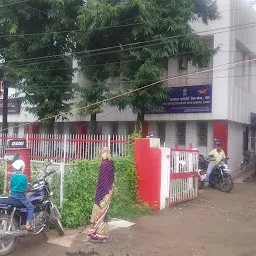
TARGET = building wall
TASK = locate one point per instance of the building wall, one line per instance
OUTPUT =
(191, 135)
(241, 99)
(235, 144)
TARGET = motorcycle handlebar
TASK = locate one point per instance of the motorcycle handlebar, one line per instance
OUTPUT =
(49, 173)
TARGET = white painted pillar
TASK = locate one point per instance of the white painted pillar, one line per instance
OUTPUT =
(165, 177)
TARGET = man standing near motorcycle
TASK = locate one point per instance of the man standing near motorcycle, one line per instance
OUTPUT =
(215, 156)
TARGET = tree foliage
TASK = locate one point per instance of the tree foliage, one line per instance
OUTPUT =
(34, 43)
(138, 37)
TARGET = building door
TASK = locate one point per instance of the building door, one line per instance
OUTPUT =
(246, 139)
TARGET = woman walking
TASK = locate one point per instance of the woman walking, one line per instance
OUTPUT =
(103, 197)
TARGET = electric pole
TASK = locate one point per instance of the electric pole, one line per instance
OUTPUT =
(5, 107)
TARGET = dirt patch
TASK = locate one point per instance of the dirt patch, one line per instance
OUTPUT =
(215, 224)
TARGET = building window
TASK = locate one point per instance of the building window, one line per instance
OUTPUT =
(161, 132)
(183, 64)
(114, 128)
(72, 128)
(253, 135)
(130, 128)
(181, 133)
(60, 127)
(16, 128)
(202, 134)
(26, 129)
(205, 63)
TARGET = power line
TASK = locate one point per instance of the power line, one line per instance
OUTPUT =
(131, 44)
(230, 65)
(105, 27)
(35, 9)
(117, 62)
(13, 3)
(130, 82)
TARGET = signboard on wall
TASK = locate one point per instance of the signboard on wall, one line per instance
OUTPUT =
(14, 106)
(187, 99)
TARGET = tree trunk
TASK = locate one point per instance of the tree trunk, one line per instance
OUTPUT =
(50, 131)
(50, 125)
(5, 107)
(93, 124)
(140, 123)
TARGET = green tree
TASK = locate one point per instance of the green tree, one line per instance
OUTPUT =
(146, 33)
(35, 42)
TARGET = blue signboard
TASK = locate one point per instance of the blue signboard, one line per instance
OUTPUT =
(187, 99)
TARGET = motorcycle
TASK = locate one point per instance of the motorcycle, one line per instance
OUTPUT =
(13, 214)
(221, 178)
(203, 164)
(245, 164)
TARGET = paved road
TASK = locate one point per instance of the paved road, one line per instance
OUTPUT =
(215, 224)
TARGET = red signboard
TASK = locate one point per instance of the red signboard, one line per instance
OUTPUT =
(12, 154)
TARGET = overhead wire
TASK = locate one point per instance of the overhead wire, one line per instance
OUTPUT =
(155, 82)
(18, 2)
(105, 27)
(121, 47)
(230, 65)
(35, 9)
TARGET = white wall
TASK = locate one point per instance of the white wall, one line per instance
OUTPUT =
(165, 177)
(242, 90)
(191, 136)
(235, 145)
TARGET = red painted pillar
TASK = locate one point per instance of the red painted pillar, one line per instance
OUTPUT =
(221, 132)
(33, 129)
(81, 132)
(148, 166)
(81, 128)
(145, 130)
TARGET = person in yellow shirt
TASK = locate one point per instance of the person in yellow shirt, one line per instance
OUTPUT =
(215, 156)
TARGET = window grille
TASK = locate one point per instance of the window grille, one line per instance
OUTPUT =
(181, 133)
(202, 134)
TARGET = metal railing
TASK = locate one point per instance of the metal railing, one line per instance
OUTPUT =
(66, 147)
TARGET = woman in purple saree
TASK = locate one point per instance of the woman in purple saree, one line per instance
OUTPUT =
(99, 231)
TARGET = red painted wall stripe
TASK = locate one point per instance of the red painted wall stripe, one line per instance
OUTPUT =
(148, 165)
(221, 132)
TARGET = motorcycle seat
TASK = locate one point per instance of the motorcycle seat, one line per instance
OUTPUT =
(15, 202)
(5, 202)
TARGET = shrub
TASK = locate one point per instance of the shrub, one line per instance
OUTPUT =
(80, 186)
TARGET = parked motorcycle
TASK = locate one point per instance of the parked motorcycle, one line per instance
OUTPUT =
(203, 164)
(245, 163)
(13, 215)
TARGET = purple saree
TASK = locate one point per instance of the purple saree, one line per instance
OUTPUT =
(102, 201)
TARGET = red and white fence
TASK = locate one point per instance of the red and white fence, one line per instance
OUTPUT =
(165, 176)
(183, 175)
(68, 147)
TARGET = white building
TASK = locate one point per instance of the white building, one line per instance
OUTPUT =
(228, 115)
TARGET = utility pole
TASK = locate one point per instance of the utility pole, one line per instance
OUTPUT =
(5, 107)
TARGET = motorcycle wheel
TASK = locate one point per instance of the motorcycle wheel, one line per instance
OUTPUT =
(227, 184)
(7, 246)
(58, 227)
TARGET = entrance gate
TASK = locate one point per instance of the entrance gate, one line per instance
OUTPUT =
(184, 175)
